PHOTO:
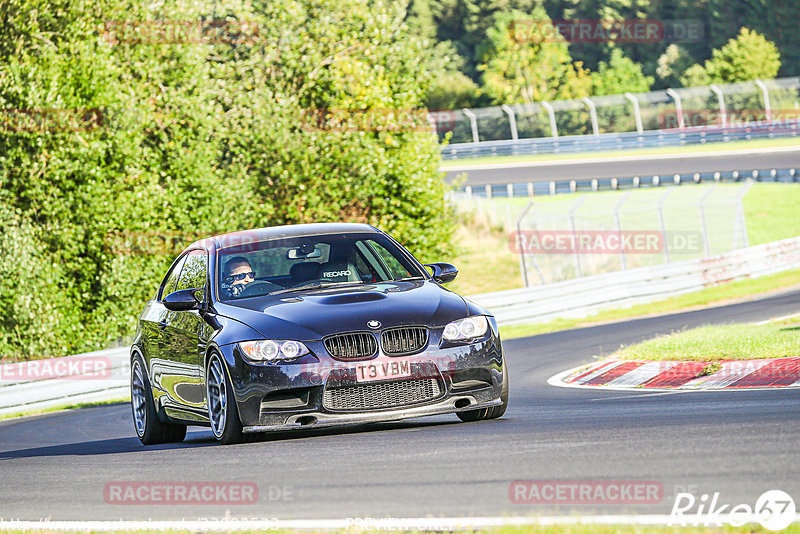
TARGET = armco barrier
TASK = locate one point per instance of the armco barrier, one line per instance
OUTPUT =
(583, 296)
(53, 383)
(617, 141)
(41, 384)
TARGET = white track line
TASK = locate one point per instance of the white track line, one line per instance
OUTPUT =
(790, 316)
(356, 524)
(616, 159)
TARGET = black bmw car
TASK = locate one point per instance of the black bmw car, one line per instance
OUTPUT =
(309, 326)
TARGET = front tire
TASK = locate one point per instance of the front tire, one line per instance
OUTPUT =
(149, 429)
(222, 411)
(489, 413)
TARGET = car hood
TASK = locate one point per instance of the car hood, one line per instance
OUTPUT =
(309, 315)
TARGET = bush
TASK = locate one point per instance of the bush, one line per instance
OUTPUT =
(195, 139)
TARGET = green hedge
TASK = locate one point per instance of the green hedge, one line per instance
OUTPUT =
(117, 149)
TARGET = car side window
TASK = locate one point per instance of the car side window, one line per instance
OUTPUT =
(394, 267)
(171, 280)
(193, 274)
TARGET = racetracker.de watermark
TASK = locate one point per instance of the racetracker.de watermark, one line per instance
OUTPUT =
(391, 120)
(604, 242)
(607, 31)
(20, 120)
(698, 118)
(586, 492)
(177, 493)
(66, 368)
(154, 32)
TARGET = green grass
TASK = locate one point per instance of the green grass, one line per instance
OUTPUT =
(718, 343)
(484, 261)
(717, 295)
(710, 147)
(772, 212)
(27, 413)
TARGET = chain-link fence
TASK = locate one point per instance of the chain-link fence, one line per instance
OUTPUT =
(575, 236)
(724, 105)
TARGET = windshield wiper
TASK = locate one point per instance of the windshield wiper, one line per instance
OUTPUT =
(408, 279)
(316, 285)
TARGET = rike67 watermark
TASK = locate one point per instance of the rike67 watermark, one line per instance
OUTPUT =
(774, 510)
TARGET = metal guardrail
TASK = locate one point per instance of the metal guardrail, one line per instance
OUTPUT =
(618, 141)
(57, 382)
(24, 386)
(584, 296)
(553, 187)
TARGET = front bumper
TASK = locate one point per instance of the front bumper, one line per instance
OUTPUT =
(456, 403)
(292, 395)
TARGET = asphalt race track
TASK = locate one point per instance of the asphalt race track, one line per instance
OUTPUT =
(786, 158)
(738, 443)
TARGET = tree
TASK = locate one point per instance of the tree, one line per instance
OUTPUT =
(522, 61)
(314, 117)
(619, 75)
(774, 19)
(671, 64)
(747, 57)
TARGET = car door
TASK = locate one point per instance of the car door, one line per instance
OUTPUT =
(185, 339)
(153, 323)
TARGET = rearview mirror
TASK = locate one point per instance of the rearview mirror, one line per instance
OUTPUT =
(443, 272)
(183, 300)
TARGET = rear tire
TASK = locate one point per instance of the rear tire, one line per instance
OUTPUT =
(489, 413)
(222, 411)
(149, 429)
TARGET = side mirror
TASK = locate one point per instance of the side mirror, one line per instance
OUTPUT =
(443, 272)
(183, 300)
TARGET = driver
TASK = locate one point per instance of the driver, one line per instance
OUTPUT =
(237, 274)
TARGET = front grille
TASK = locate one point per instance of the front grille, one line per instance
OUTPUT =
(381, 395)
(405, 340)
(352, 346)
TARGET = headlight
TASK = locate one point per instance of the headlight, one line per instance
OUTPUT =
(271, 350)
(464, 329)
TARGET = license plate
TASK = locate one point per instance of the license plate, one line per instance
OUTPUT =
(382, 370)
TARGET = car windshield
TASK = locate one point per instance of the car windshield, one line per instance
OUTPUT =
(306, 263)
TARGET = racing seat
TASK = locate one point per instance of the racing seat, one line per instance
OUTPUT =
(303, 272)
(338, 271)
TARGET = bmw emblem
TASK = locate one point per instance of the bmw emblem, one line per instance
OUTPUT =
(374, 324)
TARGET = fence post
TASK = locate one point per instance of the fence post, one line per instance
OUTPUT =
(704, 226)
(678, 106)
(523, 267)
(592, 114)
(553, 128)
(663, 223)
(577, 254)
(636, 114)
(765, 95)
(721, 100)
(623, 260)
(512, 121)
(740, 215)
(473, 123)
